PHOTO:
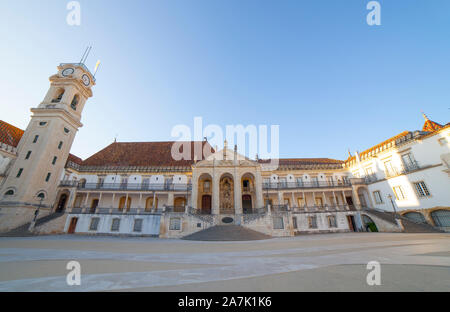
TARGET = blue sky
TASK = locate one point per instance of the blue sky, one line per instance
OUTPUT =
(315, 68)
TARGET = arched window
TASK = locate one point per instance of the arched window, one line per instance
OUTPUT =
(149, 203)
(122, 203)
(59, 96)
(75, 101)
(9, 193)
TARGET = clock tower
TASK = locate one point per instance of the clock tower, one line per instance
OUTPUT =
(44, 147)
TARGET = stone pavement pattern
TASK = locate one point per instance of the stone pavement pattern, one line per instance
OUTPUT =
(331, 262)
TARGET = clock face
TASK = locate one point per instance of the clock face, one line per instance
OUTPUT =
(67, 72)
(86, 80)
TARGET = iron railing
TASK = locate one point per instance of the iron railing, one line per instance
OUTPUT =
(402, 169)
(113, 211)
(294, 185)
(127, 186)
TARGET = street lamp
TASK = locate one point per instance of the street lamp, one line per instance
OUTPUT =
(393, 205)
(41, 197)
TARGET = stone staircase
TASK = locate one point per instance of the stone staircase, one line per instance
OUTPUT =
(22, 231)
(227, 233)
(408, 225)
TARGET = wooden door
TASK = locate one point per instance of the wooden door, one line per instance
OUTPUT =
(206, 204)
(73, 225)
(247, 203)
(351, 223)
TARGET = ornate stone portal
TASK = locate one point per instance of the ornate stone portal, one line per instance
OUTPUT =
(227, 195)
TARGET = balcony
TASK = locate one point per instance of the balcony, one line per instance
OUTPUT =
(323, 209)
(142, 187)
(404, 169)
(303, 185)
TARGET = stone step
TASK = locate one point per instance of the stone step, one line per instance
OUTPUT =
(408, 225)
(227, 233)
(22, 231)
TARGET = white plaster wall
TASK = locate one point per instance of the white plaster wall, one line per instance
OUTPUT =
(150, 224)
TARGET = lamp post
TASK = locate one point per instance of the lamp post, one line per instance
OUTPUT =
(393, 205)
(36, 213)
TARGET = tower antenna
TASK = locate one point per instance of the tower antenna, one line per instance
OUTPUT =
(84, 54)
(87, 54)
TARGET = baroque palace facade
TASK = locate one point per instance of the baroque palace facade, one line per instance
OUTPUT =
(139, 189)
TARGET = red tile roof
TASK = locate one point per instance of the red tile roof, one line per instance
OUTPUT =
(378, 146)
(304, 161)
(74, 159)
(142, 154)
(9, 134)
(431, 126)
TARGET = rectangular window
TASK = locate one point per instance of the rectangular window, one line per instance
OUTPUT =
(115, 226)
(101, 181)
(175, 224)
(48, 177)
(278, 223)
(377, 196)
(20, 172)
(294, 222)
(408, 162)
(369, 171)
(332, 222)
(60, 145)
(35, 139)
(399, 193)
(28, 155)
(312, 222)
(124, 182)
(54, 160)
(422, 189)
(389, 169)
(94, 224)
(137, 225)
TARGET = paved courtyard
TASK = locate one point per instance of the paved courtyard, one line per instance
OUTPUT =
(329, 262)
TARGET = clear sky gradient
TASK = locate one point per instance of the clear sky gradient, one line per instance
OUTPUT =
(313, 67)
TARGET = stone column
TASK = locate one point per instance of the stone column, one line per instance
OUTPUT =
(194, 191)
(170, 199)
(72, 197)
(237, 193)
(259, 190)
(280, 198)
(215, 195)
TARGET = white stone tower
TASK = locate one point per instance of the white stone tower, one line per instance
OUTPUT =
(44, 147)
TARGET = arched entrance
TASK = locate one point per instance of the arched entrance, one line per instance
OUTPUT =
(247, 205)
(364, 198)
(441, 218)
(227, 194)
(62, 203)
(415, 217)
(204, 191)
(369, 224)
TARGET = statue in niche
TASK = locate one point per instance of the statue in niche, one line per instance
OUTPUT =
(227, 194)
